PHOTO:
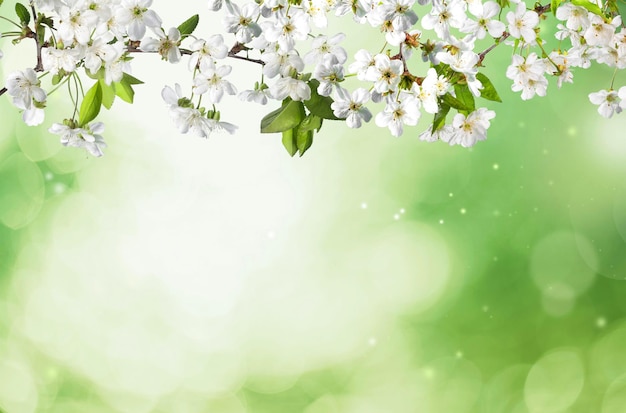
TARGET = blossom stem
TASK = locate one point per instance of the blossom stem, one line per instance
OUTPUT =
(613, 78)
(10, 21)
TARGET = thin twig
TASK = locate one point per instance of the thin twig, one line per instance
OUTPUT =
(39, 66)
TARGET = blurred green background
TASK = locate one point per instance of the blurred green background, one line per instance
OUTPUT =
(374, 274)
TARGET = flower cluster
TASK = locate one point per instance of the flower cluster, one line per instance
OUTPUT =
(304, 66)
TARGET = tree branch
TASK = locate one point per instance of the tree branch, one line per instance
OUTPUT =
(539, 9)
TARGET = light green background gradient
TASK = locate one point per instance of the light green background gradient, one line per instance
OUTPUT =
(373, 275)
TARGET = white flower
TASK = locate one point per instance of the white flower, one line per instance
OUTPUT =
(485, 14)
(609, 102)
(76, 25)
(212, 82)
(351, 108)
(242, 21)
(400, 14)
(329, 73)
(258, 95)
(101, 51)
(445, 133)
(286, 29)
(166, 45)
(397, 114)
(281, 63)
(135, 15)
(294, 88)
(576, 16)
(471, 129)
(207, 51)
(362, 61)
(114, 71)
(385, 73)
(599, 33)
(215, 5)
(54, 60)
(323, 46)
(443, 16)
(522, 23)
(528, 76)
(88, 138)
(24, 87)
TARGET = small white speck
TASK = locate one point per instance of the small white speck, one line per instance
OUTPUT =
(49, 176)
(59, 188)
(496, 166)
(372, 341)
(459, 354)
(396, 216)
(601, 322)
(441, 221)
(450, 194)
(363, 205)
(463, 211)
(402, 210)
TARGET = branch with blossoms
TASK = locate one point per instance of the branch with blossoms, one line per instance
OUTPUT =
(85, 48)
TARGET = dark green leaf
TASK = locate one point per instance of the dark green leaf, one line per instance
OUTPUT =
(488, 91)
(455, 103)
(288, 116)
(289, 141)
(440, 117)
(188, 26)
(592, 7)
(1, 1)
(108, 94)
(22, 13)
(320, 105)
(90, 107)
(464, 95)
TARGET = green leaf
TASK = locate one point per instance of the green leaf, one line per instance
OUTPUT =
(1, 1)
(108, 93)
(488, 91)
(288, 116)
(56, 79)
(554, 4)
(464, 95)
(124, 88)
(304, 139)
(440, 117)
(90, 107)
(320, 105)
(310, 123)
(455, 103)
(188, 26)
(131, 80)
(22, 13)
(289, 141)
(620, 8)
(124, 91)
(592, 7)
